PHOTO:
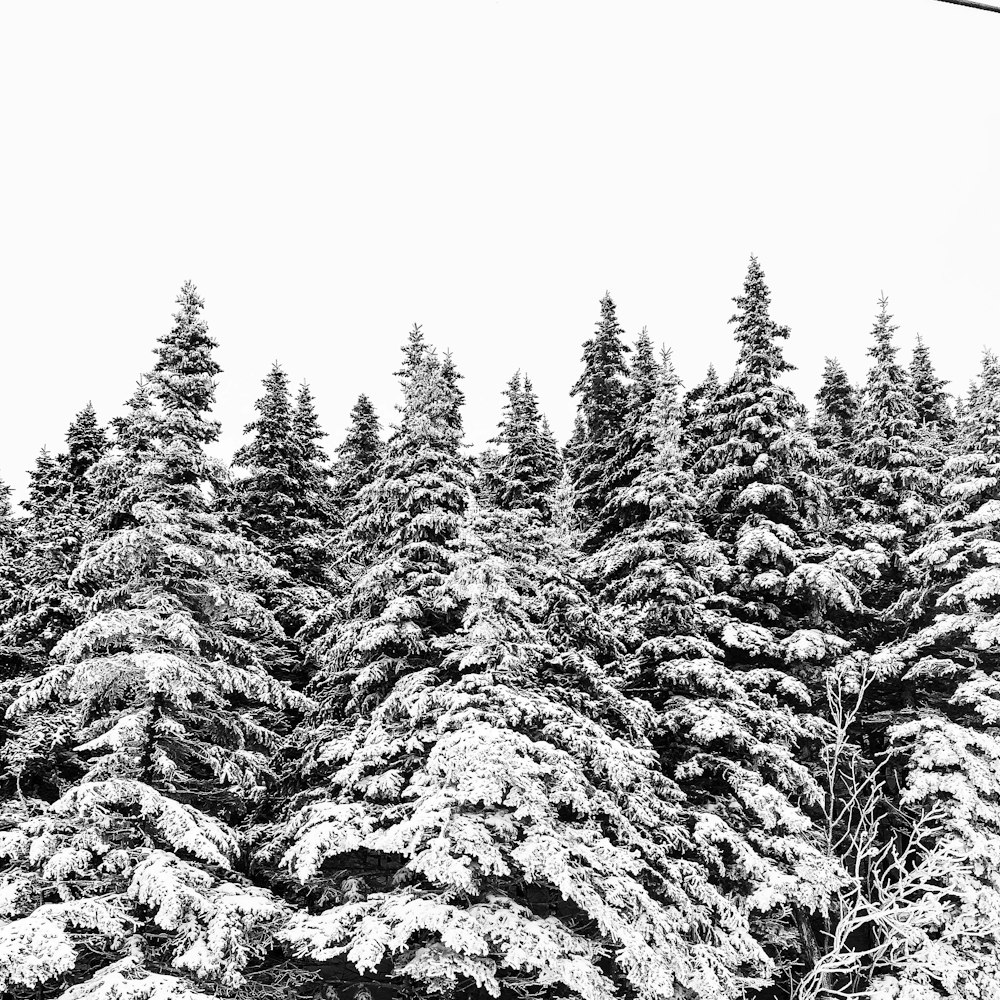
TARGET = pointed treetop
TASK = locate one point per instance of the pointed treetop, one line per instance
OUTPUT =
(756, 332)
(414, 351)
(883, 350)
(929, 396)
(306, 426)
(643, 370)
(361, 449)
(86, 442)
(183, 376)
(836, 398)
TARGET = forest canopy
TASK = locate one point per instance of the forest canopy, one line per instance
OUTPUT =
(698, 704)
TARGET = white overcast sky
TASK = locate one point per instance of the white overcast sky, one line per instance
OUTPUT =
(330, 173)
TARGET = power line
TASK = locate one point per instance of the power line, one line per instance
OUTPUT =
(974, 3)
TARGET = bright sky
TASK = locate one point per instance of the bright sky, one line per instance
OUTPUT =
(330, 173)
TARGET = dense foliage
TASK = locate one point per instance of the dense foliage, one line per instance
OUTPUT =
(702, 705)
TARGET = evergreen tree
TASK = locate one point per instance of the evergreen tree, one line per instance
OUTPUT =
(11, 583)
(263, 500)
(86, 442)
(452, 378)
(602, 392)
(183, 383)
(696, 417)
(524, 472)
(636, 445)
(724, 733)
(359, 453)
(890, 469)
(63, 517)
(760, 499)
(315, 502)
(551, 455)
(836, 411)
(282, 503)
(930, 401)
(122, 876)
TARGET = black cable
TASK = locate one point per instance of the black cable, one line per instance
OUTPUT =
(975, 3)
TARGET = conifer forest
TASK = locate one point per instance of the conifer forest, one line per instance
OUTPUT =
(700, 704)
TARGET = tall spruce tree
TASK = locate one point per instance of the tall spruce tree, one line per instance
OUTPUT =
(122, 873)
(62, 518)
(636, 443)
(724, 733)
(282, 502)
(183, 383)
(930, 401)
(359, 453)
(602, 394)
(524, 472)
(86, 442)
(890, 469)
(316, 505)
(836, 410)
(263, 499)
(762, 502)
(695, 417)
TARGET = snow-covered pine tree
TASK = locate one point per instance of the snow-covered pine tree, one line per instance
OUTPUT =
(761, 501)
(452, 380)
(61, 506)
(696, 418)
(86, 442)
(488, 818)
(931, 402)
(524, 472)
(11, 550)
(836, 409)
(552, 460)
(315, 504)
(282, 501)
(121, 880)
(635, 446)
(602, 393)
(724, 734)
(890, 469)
(358, 454)
(263, 498)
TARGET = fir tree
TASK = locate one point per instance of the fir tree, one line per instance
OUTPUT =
(890, 465)
(63, 517)
(724, 734)
(183, 382)
(837, 407)
(602, 400)
(359, 453)
(695, 417)
(636, 446)
(122, 876)
(282, 503)
(930, 401)
(551, 455)
(315, 503)
(760, 499)
(524, 473)
(263, 500)
(86, 442)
